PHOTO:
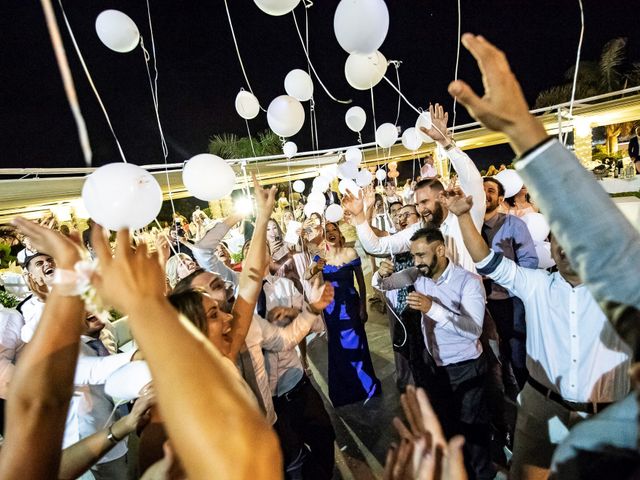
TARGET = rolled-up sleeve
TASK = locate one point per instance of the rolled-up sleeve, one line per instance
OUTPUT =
(471, 183)
(393, 244)
(96, 370)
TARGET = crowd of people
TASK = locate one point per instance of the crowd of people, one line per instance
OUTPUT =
(491, 352)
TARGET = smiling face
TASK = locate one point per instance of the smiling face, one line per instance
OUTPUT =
(186, 266)
(273, 232)
(333, 235)
(218, 324)
(407, 216)
(93, 326)
(393, 212)
(214, 286)
(493, 197)
(41, 269)
(428, 205)
(427, 257)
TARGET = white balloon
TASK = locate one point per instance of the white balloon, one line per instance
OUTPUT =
(321, 184)
(424, 120)
(364, 177)
(276, 7)
(316, 197)
(355, 118)
(511, 181)
(298, 186)
(347, 170)
(334, 213)
(543, 250)
(353, 155)
(126, 382)
(381, 174)
(537, 225)
(285, 116)
(298, 84)
(361, 25)
(289, 149)
(386, 135)
(117, 31)
(410, 139)
(329, 171)
(311, 208)
(365, 71)
(247, 105)
(208, 177)
(122, 195)
(348, 185)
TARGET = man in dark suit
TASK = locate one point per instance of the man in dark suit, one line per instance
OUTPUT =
(634, 150)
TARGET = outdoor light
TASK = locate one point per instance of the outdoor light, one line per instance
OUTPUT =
(244, 205)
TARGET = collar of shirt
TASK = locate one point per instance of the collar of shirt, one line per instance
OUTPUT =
(446, 224)
(446, 275)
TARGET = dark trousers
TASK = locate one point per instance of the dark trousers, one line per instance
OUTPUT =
(400, 342)
(457, 393)
(302, 419)
(508, 315)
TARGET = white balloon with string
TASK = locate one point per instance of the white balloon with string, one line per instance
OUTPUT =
(381, 174)
(348, 185)
(353, 155)
(316, 197)
(298, 84)
(365, 71)
(347, 170)
(355, 118)
(511, 181)
(320, 184)
(208, 177)
(117, 31)
(361, 25)
(285, 116)
(311, 208)
(386, 135)
(364, 178)
(410, 139)
(424, 120)
(334, 213)
(276, 7)
(289, 149)
(298, 186)
(329, 171)
(122, 195)
(247, 105)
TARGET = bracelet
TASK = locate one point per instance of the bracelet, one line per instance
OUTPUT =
(451, 146)
(71, 283)
(111, 436)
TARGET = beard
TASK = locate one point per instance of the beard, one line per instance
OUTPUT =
(427, 270)
(435, 217)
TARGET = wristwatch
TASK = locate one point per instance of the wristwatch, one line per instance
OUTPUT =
(451, 146)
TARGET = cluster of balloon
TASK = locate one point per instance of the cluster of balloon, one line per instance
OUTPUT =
(285, 116)
(361, 25)
(511, 181)
(247, 105)
(298, 186)
(353, 155)
(208, 177)
(364, 178)
(386, 135)
(289, 149)
(298, 84)
(276, 7)
(122, 195)
(117, 31)
(539, 230)
(381, 175)
(424, 120)
(393, 170)
(364, 71)
(410, 139)
(355, 118)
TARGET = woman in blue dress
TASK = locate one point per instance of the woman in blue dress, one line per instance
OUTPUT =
(351, 375)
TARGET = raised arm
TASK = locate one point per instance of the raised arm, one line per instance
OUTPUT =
(460, 205)
(42, 381)
(250, 283)
(231, 440)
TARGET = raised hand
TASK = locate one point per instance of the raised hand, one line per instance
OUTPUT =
(353, 203)
(163, 248)
(386, 268)
(63, 249)
(128, 279)
(321, 295)
(265, 199)
(503, 106)
(456, 202)
(439, 120)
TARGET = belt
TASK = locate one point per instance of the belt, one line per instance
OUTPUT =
(586, 407)
(292, 394)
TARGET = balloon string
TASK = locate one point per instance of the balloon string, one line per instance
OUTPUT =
(67, 80)
(253, 150)
(396, 63)
(235, 42)
(455, 73)
(306, 53)
(575, 73)
(402, 95)
(375, 127)
(88, 75)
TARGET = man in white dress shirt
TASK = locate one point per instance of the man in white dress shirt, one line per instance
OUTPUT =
(577, 362)
(452, 302)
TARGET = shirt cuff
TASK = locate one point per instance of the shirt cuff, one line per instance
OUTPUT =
(534, 152)
(437, 312)
(485, 261)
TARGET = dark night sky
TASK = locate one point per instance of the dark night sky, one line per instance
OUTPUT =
(200, 75)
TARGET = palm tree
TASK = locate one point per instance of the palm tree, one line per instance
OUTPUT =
(231, 146)
(610, 73)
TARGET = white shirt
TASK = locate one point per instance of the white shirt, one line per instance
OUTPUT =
(11, 323)
(471, 183)
(571, 347)
(31, 312)
(264, 335)
(281, 292)
(453, 325)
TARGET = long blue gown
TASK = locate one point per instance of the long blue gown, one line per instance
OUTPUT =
(351, 375)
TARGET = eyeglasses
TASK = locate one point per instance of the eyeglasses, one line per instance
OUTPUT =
(406, 215)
